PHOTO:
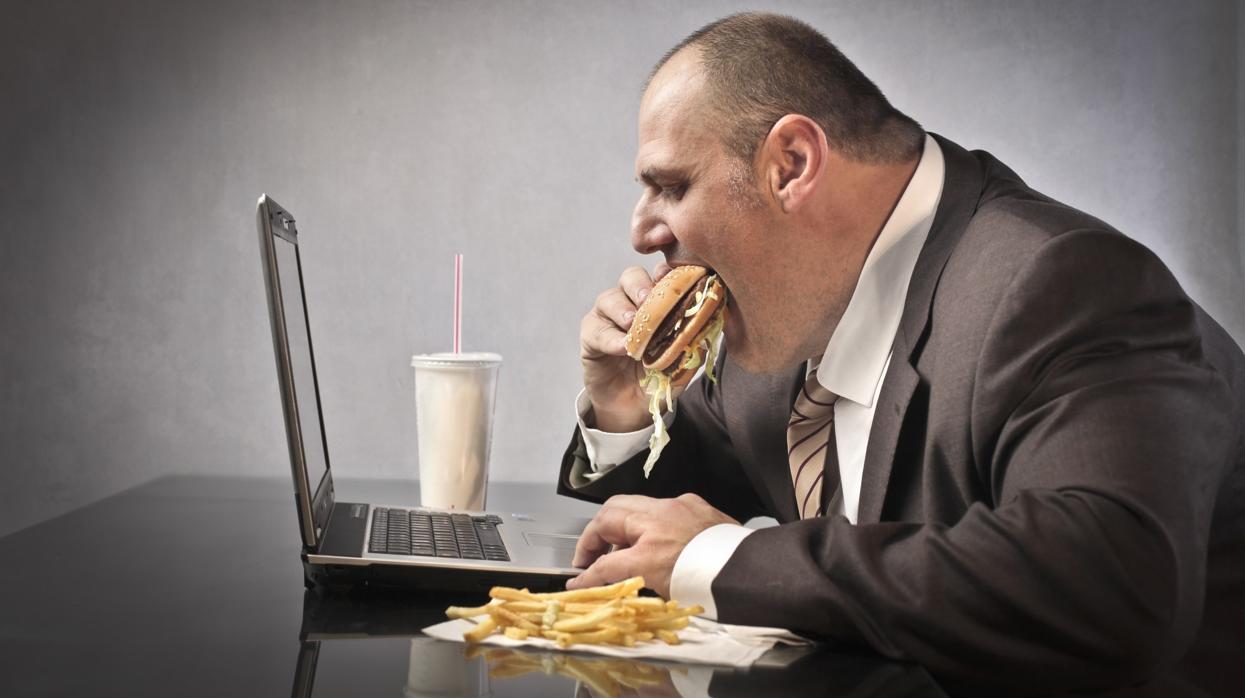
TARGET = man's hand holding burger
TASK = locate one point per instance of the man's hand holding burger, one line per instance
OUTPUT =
(611, 377)
(672, 328)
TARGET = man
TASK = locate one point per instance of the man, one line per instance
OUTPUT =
(1025, 461)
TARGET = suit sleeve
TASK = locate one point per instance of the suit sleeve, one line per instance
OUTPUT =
(1098, 430)
(699, 458)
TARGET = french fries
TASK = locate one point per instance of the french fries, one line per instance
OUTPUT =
(615, 614)
(482, 630)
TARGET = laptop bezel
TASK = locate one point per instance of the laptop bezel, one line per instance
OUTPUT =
(314, 510)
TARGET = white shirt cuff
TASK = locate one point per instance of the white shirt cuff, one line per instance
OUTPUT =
(608, 449)
(699, 563)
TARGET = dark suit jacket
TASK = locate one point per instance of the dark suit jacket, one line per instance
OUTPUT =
(1054, 486)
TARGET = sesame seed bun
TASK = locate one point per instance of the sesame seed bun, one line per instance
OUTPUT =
(665, 297)
(661, 299)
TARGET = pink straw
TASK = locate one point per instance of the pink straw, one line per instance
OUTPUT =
(458, 303)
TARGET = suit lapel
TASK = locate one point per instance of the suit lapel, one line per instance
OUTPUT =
(962, 187)
(757, 408)
(897, 390)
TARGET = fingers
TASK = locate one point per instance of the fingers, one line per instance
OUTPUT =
(601, 335)
(636, 283)
(603, 330)
(606, 529)
(590, 546)
(661, 270)
(618, 523)
(614, 305)
(647, 536)
(608, 569)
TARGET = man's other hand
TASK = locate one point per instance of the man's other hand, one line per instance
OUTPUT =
(647, 535)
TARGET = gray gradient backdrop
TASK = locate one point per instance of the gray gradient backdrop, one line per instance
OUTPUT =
(136, 137)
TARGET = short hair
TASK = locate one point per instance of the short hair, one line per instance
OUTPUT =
(760, 67)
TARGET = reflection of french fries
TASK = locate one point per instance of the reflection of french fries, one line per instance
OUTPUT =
(602, 676)
(613, 614)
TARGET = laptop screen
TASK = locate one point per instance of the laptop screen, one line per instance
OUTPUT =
(302, 366)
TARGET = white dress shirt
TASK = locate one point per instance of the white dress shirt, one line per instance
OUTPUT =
(853, 366)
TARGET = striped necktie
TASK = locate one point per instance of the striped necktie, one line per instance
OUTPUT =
(809, 434)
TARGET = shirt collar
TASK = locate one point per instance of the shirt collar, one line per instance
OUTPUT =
(856, 355)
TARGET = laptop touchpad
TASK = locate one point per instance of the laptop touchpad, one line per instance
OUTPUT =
(558, 541)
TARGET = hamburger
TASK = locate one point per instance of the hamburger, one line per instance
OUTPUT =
(675, 332)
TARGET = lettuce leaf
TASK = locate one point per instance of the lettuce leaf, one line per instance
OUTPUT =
(657, 386)
(709, 339)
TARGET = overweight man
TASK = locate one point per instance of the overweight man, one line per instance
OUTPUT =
(1026, 465)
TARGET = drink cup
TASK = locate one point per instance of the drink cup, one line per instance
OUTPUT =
(454, 399)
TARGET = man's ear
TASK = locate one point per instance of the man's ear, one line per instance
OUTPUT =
(793, 157)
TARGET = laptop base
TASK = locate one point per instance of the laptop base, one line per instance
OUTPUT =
(345, 578)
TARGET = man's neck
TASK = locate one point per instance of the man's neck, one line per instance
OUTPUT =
(858, 203)
(862, 200)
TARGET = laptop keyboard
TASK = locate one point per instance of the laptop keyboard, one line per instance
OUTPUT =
(436, 534)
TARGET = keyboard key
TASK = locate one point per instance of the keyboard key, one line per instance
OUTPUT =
(489, 535)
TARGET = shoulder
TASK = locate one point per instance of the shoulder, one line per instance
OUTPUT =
(1019, 240)
(1030, 277)
(1012, 222)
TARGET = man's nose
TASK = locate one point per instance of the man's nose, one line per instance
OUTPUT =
(649, 233)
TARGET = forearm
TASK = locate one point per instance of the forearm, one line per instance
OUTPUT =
(699, 458)
(686, 465)
(672, 476)
(1057, 590)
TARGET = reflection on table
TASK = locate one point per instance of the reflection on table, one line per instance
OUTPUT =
(191, 586)
(437, 668)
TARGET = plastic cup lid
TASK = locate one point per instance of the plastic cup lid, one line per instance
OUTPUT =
(476, 358)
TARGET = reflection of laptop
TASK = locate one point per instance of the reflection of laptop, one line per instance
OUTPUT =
(346, 544)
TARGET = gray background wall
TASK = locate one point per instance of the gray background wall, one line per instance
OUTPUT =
(137, 136)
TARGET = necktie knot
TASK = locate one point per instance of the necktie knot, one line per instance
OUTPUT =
(814, 401)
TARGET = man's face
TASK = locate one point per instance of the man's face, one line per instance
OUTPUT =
(701, 205)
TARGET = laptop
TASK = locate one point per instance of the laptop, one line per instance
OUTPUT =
(349, 544)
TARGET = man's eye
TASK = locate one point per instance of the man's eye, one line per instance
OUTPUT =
(674, 191)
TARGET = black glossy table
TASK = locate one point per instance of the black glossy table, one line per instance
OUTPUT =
(192, 586)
